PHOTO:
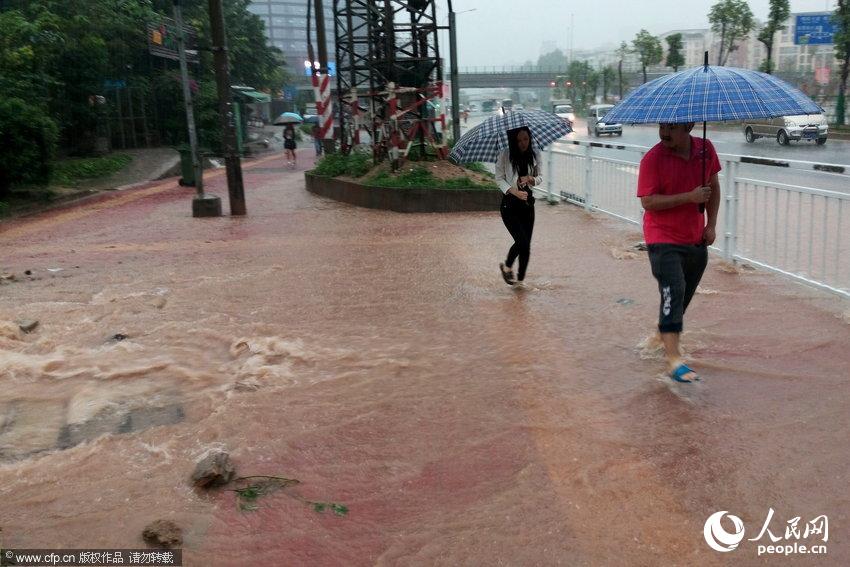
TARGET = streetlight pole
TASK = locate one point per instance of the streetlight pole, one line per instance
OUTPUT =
(235, 188)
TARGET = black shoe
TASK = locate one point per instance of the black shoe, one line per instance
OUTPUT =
(507, 274)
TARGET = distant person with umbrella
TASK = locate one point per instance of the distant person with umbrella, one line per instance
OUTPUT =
(288, 120)
(517, 171)
(289, 145)
(672, 191)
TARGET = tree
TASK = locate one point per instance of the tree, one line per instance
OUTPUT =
(733, 20)
(842, 52)
(553, 60)
(608, 75)
(70, 48)
(648, 49)
(779, 12)
(27, 132)
(622, 51)
(584, 80)
(675, 58)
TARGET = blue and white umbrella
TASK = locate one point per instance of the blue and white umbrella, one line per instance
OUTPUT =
(487, 140)
(711, 94)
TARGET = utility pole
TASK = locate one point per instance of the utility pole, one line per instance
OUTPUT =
(454, 74)
(202, 205)
(235, 189)
(320, 37)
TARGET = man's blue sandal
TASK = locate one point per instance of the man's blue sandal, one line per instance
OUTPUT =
(678, 373)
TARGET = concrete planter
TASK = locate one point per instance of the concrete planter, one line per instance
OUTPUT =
(404, 200)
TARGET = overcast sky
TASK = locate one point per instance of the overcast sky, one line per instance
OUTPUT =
(510, 32)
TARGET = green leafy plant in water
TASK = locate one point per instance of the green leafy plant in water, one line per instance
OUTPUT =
(338, 509)
(247, 496)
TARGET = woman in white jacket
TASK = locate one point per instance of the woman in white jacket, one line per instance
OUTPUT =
(517, 171)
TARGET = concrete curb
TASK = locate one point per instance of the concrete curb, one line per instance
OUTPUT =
(404, 200)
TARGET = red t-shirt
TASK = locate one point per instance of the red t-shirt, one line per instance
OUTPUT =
(664, 173)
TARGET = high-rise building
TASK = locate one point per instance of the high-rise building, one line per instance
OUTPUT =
(286, 28)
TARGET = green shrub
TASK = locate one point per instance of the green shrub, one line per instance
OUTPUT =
(72, 171)
(4, 208)
(331, 165)
(356, 164)
(478, 167)
(419, 176)
(27, 144)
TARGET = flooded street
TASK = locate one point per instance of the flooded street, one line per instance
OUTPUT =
(380, 359)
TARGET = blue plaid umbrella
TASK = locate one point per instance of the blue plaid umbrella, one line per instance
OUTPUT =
(487, 140)
(711, 94)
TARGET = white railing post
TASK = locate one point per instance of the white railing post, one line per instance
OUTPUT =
(730, 210)
(549, 175)
(588, 177)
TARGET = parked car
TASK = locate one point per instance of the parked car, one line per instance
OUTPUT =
(596, 126)
(565, 111)
(787, 128)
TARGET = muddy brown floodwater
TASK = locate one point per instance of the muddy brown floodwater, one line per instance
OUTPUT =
(379, 358)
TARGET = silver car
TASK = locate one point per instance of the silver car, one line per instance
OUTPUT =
(787, 128)
(596, 126)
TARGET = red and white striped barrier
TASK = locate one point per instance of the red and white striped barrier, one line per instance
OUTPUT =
(324, 105)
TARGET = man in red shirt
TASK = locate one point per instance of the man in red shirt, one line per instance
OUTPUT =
(675, 198)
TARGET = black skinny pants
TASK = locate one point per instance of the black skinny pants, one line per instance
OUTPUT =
(518, 217)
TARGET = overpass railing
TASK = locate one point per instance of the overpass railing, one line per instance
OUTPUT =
(511, 70)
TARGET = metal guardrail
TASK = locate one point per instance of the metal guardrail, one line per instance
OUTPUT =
(802, 233)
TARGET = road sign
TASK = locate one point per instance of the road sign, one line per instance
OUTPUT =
(814, 28)
(162, 40)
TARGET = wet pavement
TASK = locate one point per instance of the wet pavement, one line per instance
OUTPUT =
(379, 358)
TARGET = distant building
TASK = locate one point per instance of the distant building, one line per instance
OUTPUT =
(286, 28)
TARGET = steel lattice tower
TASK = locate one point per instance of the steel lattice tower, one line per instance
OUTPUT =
(381, 44)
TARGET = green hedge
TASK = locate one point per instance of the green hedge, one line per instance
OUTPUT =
(72, 171)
